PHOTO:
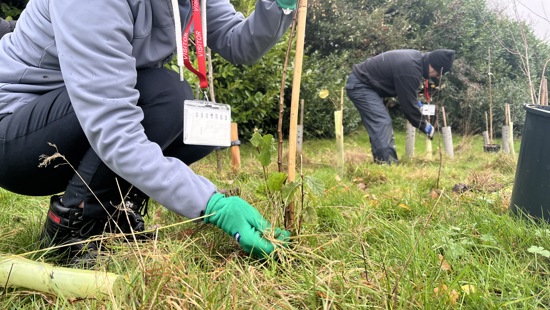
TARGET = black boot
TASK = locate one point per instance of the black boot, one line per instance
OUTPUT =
(128, 218)
(67, 226)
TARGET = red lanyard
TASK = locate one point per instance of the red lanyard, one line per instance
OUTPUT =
(426, 91)
(199, 44)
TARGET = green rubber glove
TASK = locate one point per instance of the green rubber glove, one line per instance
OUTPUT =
(242, 221)
(287, 4)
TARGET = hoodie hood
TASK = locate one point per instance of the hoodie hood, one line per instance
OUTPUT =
(425, 66)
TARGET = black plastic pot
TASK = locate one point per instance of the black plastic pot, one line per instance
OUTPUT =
(491, 148)
(532, 182)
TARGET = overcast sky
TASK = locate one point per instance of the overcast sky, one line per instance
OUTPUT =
(535, 12)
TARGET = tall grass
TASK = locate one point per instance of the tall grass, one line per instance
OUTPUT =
(388, 237)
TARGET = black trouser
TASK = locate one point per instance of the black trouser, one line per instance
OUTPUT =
(375, 117)
(26, 135)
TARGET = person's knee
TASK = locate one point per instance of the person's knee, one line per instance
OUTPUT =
(162, 85)
(162, 94)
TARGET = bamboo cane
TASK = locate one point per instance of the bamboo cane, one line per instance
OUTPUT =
(486, 138)
(16, 271)
(486, 123)
(292, 137)
(296, 81)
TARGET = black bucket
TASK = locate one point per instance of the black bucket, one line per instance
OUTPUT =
(532, 182)
(491, 148)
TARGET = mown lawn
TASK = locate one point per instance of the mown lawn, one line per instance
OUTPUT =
(390, 237)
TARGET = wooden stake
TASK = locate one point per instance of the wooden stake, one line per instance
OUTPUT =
(297, 79)
(339, 132)
(282, 99)
(511, 138)
(342, 100)
(486, 140)
(235, 149)
(339, 122)
(444, 117)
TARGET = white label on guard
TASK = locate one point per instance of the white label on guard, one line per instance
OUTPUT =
(206, 123)
(428, 109)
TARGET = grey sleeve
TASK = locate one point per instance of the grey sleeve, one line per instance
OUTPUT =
(243, 40)
(100, 75)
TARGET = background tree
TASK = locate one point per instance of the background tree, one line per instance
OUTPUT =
(12, 8)
(466, 26)
(340, 33)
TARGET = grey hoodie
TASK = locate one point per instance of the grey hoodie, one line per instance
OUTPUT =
(94, 48)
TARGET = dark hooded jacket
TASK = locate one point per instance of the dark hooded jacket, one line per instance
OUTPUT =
(397, 73)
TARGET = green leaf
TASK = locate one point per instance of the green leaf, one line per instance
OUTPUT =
(539, 250)
(261, 190)
(276, 180)
(267, 149)
(289, 190)
(315, 185)
(488, 239)
(175, 68)
(310, 215)
(265, 146)
(256, 140)
(324, 93)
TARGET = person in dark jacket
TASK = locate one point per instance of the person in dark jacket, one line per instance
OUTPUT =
(6, 26)
(89, 78)
(396, 73)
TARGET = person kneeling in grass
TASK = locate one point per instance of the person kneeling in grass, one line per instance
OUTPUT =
(397, 73)
(89, 78)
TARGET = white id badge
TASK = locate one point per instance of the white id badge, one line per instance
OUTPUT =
(428, 109)
(206, 123)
